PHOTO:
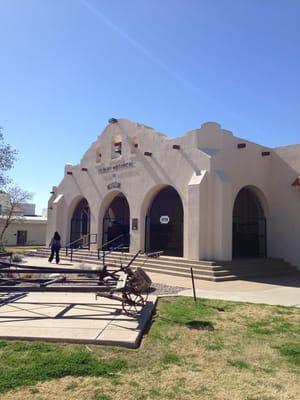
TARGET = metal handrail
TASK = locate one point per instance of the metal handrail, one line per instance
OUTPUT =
(112, 240)
(74, 241)
(114, 248)
(107, 252)
(101, 248)
(87, 244)
(68, 246)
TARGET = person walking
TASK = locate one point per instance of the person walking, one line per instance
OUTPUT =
(55, 246)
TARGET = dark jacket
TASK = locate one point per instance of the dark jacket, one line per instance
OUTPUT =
(55, 244)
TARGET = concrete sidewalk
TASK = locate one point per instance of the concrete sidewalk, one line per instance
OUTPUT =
(279, 290)
(71, 317)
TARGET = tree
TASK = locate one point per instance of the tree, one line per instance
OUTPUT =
(11, 210)
(7, 159)
(11, 195)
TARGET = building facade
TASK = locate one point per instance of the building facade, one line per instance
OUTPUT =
(207, 195)
(26, 228)
(25, 231)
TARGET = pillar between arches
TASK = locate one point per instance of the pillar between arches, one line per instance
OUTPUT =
(94, 228)
(197, 217)
(136, 235)
(222, 217)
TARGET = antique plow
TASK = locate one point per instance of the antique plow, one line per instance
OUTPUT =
(124, 284)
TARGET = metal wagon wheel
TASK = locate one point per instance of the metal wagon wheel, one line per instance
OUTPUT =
(132, 303)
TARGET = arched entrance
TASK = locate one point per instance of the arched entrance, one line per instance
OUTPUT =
(80, 224)
(116, 221)
(249, 225)
(164, 223)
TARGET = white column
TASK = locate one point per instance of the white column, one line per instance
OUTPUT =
(197, 217)
(94, 228)
(222, 221)
(136, 235)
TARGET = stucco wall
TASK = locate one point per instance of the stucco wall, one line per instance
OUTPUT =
(232, 169)
(140, 183)
(285, 204)
(208, 171)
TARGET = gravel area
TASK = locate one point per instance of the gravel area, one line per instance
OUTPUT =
(159, 289)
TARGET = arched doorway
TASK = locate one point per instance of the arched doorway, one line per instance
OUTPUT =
(80, 224)
(164, 223)
(249, 225)
(116, 222)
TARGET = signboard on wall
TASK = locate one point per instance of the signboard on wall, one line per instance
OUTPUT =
(134, 224)
(93, 238)
(114, 185)
(116, 168)
(164, 219)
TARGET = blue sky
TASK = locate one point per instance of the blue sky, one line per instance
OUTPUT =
(67, 66)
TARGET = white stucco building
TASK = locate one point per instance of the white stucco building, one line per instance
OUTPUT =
(208, 195)
(26, 228)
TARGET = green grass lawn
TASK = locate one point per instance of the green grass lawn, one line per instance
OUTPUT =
(213, 350)
(22, 249)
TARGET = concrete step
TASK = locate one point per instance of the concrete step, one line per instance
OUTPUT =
(162, 259)
(167, 259)
(79, 256)
(172, 261)
(175, 266)
(250, 265)
(155, 266)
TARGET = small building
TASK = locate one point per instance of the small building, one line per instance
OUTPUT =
(26, 228)
(208, 195)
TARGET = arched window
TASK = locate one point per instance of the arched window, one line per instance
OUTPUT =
(249, 225)
(116, 148)
(164, 223)
(98, 155)
(134, 145)
(116, 222)
(80, 224)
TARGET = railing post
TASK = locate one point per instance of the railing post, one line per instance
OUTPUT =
(193, 283)
(72, 254)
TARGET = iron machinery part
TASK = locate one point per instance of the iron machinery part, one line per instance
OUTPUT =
(124, 284)
(132, 303)
(140, 281)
